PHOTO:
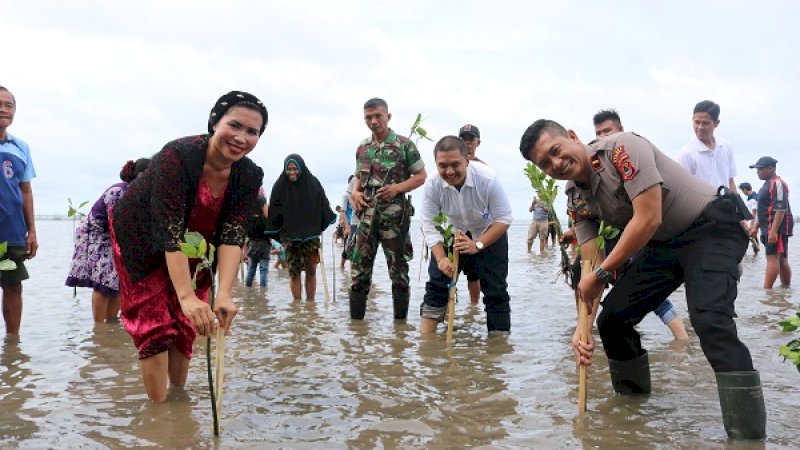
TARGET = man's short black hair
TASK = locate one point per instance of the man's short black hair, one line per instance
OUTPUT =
(746, 186)
(13, 99)
(707, 106)
(532, 134)
(607, 114)
(448, 143)
(376, 103)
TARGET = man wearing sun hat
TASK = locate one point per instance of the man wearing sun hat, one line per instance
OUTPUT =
(774, 223)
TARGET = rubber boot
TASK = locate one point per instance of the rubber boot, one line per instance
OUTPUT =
(498, 322)
(631, 376)
(742, 403)
(358, 305)
(400, 303)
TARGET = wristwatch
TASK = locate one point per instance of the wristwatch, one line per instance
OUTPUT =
(606, 276)
(479, 245)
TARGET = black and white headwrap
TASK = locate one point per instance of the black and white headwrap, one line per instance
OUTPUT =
(232, 99)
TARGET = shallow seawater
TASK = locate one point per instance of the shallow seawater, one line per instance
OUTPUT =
(303, 375)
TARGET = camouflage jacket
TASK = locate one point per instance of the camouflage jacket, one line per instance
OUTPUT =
(391, 162)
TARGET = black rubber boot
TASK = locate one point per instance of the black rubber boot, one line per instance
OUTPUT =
(400, 303)
(742, 403)
(498, 321)
(631, 376)
(358, 305)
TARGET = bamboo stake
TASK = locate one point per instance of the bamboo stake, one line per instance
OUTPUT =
(322, 267)
(451, 301)
(585, 330)
(583, 325)
(422, 254)
(333, 266)
(220, 367)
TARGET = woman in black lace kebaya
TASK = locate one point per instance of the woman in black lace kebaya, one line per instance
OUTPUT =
(199, 183)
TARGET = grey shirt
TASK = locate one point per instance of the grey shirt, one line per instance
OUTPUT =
(623, 166)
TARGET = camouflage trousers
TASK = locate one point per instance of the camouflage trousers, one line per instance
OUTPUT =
(384, 225)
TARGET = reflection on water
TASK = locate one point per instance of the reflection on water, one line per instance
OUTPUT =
(303, 375)
(15, 390)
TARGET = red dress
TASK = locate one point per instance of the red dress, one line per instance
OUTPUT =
(150, 311)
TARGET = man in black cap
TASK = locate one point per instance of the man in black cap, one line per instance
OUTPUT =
(775, 222)
(471, 136)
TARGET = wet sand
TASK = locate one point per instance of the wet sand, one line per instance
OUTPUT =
(303, 375)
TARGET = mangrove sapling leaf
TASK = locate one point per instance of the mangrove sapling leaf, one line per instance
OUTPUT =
(74, 211)
(418, 130)
(791, 351)
(605, 233)
(790, 324)
(6, 264)
(189, 250)
(446, 230)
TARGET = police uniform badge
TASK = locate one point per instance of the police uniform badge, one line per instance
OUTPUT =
(621, 160)
(595, 162)
(578, 207)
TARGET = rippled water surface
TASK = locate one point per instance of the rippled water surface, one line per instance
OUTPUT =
(303, 375)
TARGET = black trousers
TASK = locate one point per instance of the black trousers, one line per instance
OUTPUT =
(706, 258)
(491, 268)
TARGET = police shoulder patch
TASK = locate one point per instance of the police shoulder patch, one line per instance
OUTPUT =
(621, 160)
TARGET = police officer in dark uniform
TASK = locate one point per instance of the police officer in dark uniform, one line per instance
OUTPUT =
(681, 231)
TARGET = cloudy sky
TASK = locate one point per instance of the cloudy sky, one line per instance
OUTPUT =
(99, 82)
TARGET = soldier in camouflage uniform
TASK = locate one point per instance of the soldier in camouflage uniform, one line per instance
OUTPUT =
(387, 167)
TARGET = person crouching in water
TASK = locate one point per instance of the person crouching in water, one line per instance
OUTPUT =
(93, 261)
(682, 230)
(201, 183)
(472, 198)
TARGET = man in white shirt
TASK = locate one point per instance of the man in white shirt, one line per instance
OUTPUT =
(705, 156)
(472, 198)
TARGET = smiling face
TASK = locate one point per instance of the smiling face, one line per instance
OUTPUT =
(292, 172)
(377, 120)
(704, 126)
(236, 134)
(7, 109)
(561, 157)
(452, 166)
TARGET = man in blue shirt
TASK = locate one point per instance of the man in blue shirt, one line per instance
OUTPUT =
(17, 226)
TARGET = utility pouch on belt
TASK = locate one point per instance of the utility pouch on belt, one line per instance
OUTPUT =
(727, 207)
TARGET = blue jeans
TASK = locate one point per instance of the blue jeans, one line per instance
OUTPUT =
(666, 311)
(263, 267)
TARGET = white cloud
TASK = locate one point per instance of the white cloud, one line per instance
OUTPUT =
(99, 83)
